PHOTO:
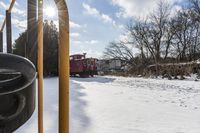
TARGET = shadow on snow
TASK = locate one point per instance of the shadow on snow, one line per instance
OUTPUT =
(98, 79)
(79, 121)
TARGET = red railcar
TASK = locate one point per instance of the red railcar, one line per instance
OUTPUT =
(82, 66)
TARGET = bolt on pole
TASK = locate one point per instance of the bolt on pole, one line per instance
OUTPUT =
(63, 66)
(40, 66)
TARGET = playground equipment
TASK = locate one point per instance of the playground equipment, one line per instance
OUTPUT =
(63, 64)
(17, 91)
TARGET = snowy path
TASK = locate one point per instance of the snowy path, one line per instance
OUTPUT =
(124, 105)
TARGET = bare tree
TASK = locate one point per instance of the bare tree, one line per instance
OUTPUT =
(195, 16)
(186, 35)
(158, 21)
(153, 35)
(121, 52)
(195, 4)
(136, 38)
(168, 39)
(163, 37)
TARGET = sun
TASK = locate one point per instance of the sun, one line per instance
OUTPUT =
(49, 11)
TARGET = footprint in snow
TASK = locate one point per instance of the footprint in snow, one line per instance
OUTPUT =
(195, 108)
(173, 102)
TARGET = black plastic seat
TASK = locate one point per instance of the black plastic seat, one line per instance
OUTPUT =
(9, 77)
(17, 91)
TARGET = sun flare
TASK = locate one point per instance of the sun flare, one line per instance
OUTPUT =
(49, 11)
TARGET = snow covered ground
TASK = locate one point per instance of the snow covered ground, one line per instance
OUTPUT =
(123, 105)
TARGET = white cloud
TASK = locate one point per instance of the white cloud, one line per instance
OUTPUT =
(86, 46)
(90, 10)
(94, 12)
(74, 25)
(121, 26)
(75, 34)
(18, 11)
(91, 53)
(16, 3)
(76, 42)
(137, 8)
(5, 6)
(106, 18)
(20, 24)
(14, 9)
(92, 42)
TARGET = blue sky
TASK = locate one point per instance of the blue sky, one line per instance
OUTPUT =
(93, 23)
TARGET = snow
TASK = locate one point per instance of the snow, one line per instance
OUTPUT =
(198, 61)
(123, 105)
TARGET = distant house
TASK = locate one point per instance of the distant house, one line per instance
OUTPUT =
(102, 65)
(115, 64)
(109, 64)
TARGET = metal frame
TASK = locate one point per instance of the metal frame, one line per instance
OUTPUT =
(9, 32)
(63, 64)
(1, 41)
(40, 66)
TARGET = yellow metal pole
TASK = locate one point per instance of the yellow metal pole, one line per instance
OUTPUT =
(63, 66)
(40, 66)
